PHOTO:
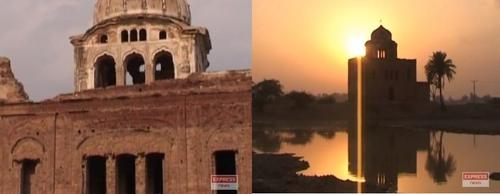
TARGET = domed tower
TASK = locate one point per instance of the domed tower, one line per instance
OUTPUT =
(381, 45)
(139, 42)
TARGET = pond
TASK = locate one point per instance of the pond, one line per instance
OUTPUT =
(402, 160)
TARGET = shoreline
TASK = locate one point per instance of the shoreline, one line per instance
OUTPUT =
(486, 126)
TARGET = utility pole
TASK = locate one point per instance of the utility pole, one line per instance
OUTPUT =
(474, 82)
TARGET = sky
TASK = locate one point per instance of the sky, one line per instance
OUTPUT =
(306, 43)
(35, 36)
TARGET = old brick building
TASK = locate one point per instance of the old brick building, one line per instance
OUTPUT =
(165, 129)
(387, 79)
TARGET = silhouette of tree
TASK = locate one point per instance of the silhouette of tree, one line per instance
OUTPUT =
(437, 69)
(432, 80)
(439, 165)
(326, 99)
(265, 92)
(301, 99)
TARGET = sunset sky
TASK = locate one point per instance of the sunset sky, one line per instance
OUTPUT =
(306, 43)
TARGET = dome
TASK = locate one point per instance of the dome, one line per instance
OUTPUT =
(381, 34)
(177, 9)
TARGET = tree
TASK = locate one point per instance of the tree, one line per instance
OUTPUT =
(438, 69)
(326, 99)
(301, 99)
(439, 164)
(266, 92)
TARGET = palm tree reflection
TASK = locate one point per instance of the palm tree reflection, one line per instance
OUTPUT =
(440, 165)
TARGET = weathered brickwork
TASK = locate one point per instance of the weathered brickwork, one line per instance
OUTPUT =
(185, 120)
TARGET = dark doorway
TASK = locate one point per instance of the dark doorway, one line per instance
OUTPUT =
(164, 66)
(135, 66)
(105, 74)
(28, 168)
(391, 94)
(96, 175)
(225, 164)
(125, 174)
(154, 173)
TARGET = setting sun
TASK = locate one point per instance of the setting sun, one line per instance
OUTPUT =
(355, 46)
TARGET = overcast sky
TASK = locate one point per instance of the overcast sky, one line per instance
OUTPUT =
(35, 36)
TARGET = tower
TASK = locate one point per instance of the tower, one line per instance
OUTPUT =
(381, 45)
(387, 80)
(139, 42)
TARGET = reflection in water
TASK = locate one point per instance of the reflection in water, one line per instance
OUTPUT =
(438, 164)
(395, 159)
(386, 154)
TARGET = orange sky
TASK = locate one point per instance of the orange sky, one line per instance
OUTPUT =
(305, 43)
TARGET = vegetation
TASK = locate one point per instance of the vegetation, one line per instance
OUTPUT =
(438, 69)
(270, 91)
(300, 99)
(266, 92)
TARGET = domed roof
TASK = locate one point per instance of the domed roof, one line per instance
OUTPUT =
(381, 34)
(106, 9)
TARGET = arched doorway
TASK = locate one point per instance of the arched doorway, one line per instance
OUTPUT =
(135, 69)
(105, 73)
(391, 94)
(164, 66)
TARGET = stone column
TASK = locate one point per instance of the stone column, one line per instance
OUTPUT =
(120, 73)
(150, 73)
(150, 70)
(110, 174)
(140, 174)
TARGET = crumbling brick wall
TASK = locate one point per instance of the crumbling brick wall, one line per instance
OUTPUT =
(186, 120)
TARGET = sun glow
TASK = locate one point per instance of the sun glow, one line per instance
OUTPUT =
(355, 46)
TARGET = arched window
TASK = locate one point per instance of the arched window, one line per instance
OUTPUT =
(28, 171)
(164, 66)
(104, 74)
(163, 35)
(125, 173)
(143, 35)
(124, 36)
(96, 175)
(133, 35)
(154, 172)
(135, 66)
(103, 39)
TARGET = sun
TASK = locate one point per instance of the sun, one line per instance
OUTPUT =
(355, 46)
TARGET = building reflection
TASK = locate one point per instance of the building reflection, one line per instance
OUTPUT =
(386, 154)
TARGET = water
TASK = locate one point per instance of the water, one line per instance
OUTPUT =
(400, 159)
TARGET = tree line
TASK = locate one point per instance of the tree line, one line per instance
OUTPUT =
(271, 91)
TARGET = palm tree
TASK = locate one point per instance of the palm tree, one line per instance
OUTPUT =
(432, 80)
(437, 70)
